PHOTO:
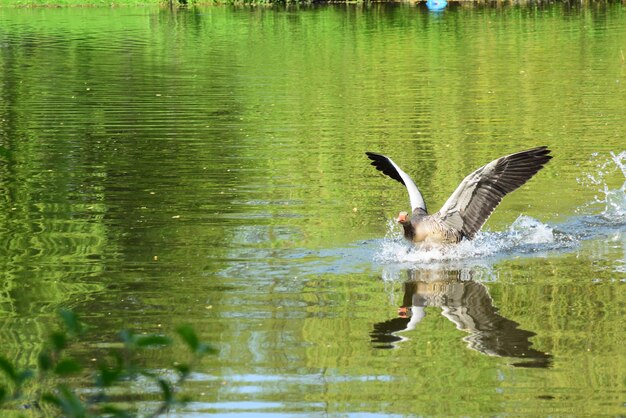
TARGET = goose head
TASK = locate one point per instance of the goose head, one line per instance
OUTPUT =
(403, 218)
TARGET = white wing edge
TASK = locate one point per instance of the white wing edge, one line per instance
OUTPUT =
(417, 201)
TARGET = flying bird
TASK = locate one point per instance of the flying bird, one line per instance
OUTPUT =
(473, 201)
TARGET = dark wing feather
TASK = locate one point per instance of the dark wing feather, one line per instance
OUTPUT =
(383, 164)
(479, 193)
(388, 167)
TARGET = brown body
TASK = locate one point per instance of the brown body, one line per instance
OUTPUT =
(423, 228)
(468, 208)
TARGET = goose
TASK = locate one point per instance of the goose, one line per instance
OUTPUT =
(473, 201)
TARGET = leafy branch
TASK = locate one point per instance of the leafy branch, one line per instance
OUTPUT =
(118, 366)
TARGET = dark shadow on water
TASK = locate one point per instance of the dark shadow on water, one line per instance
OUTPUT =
(469, 306)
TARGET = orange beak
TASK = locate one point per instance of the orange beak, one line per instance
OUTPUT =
(401, 218)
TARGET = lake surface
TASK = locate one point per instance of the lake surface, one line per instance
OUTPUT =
(207, 166)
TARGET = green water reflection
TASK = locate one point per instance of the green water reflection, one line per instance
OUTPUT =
(207, 166)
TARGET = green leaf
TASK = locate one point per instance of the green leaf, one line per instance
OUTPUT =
(51, 399)
(58, 340)
(153, 341)
(107, 376)
(183, 369)
(3, 394)
(7, 367)
(67, 366)
(70, 319)
(44, 361)
(189, 336)
(166, 390)
(70, 403)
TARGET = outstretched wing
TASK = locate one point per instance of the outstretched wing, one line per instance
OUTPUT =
(388, 167)
(479, 193)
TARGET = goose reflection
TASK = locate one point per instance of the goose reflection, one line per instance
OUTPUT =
(469, 306)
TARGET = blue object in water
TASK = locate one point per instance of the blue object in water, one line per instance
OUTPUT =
(436, 4)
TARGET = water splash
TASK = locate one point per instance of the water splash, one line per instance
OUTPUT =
(612, 201)
(525, 235)
(615, 200)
